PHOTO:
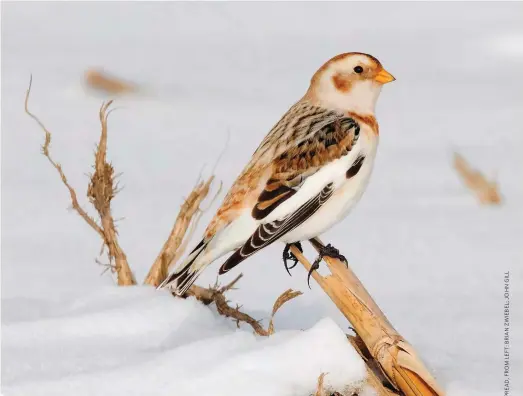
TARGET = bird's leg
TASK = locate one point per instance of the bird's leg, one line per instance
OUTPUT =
(288, 255)
(329, 251)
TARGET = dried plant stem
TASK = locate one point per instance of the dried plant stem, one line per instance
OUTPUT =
(45, 150)
(395, 356)
(101, 191)
(216, 295)
(375, 378)
(173, 248)
(320, 391)
(282, 299)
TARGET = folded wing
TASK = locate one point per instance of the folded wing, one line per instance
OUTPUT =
(291, 168)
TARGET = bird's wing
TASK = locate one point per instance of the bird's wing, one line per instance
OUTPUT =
(291, 168)
(289, 171)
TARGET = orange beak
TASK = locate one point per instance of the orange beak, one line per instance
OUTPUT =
(384, 77)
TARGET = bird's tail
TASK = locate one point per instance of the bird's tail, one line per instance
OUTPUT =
(186, 273)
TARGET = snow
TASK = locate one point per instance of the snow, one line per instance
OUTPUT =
(137, 341)
(430, 255)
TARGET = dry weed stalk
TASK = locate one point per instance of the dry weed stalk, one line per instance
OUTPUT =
(486, 191)
(45, 151)
(102, 81)
(188, 218)
(216, 295)
(320, 391)
(396, 358)
(101, 191)
(284, 297)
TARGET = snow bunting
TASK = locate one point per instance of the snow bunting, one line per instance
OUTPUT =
(307, 173)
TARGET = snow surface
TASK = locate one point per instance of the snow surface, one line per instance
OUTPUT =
(432, 257)
(137, 341)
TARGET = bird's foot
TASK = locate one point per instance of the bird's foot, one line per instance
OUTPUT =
(325, 251)
(288, 255)
(331, 251)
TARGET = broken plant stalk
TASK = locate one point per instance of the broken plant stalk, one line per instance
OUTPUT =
(396, 358)
(187, 219)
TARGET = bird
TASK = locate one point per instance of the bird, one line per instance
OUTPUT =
(306, 175)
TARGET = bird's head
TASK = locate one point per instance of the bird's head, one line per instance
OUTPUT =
(349, 82)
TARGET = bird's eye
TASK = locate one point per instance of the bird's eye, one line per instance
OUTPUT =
(358, 69)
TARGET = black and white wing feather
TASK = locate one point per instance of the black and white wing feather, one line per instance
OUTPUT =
(268, 233)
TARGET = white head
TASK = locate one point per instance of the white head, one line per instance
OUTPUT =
(349, 82)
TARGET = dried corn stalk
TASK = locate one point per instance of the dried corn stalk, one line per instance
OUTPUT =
(397, 360)
(486, 191)
(188, 218)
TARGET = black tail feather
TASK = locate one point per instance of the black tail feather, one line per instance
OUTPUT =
(182, 279)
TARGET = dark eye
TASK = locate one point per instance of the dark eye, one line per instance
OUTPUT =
(358, 69)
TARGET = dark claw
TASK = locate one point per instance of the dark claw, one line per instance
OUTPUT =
(292, 266)
(287, 255)
(314, 267)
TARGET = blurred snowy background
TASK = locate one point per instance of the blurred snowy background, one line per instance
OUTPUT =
(430, 254)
